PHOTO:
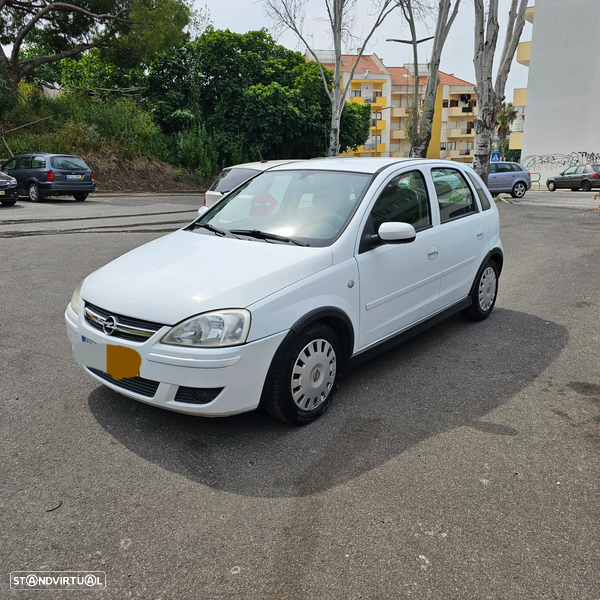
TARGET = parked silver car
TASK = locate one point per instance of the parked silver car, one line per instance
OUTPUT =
(578, 177)
(509, 178)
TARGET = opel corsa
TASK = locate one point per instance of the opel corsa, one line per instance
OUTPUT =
(297, 274)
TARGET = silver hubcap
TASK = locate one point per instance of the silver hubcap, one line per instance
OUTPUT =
(487, 289)
(33, 192)
(313, 374)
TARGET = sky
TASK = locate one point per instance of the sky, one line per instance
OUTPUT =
(457, 58)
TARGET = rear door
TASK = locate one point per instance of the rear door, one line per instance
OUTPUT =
(465, 236)
(493, 182)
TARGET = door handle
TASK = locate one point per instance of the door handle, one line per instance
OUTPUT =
(432, 252)
(480, 234)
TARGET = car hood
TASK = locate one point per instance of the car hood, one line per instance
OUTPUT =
(187, 273)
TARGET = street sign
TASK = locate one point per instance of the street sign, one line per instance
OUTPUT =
(495, 157)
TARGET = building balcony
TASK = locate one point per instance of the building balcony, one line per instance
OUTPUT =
(378, 124)
(467, 132)
(462, 111)
(516, 141)
(376, 101)
(520, 97)
(398, 112)
(398, 134)
(459, 154)
(529, 14)
(375, 148)
(524, 53)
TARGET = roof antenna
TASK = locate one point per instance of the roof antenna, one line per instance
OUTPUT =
(262, 160)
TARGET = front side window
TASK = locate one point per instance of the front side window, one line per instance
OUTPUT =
(404, 199)
(311, 207)
(454, 196)
(10, 165)
(25, 162)
(570, 171)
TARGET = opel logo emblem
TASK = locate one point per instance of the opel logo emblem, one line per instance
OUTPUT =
(109, 325)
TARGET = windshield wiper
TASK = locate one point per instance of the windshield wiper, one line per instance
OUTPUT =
(210, 228)
(263, 235)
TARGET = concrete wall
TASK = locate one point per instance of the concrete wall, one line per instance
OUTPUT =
(563, 91)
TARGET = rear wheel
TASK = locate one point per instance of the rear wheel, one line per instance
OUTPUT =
(518, 190)
(80, 197)
(34, 193)
(483, 296)
(551, 185)
(586, 186)
(306, 374)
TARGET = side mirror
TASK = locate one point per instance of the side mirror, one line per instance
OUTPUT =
(203, 210)
(397, 233)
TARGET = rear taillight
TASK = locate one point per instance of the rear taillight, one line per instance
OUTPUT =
(92, 174)
(204, 200)
(50, 175)
(529, 174)
(596, 175)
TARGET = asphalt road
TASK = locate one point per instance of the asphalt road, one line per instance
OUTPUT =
(463, 464)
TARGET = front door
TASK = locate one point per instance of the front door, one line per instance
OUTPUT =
(399, 283)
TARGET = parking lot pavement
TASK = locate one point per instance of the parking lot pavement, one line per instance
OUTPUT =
(559, 199)
(463, 464)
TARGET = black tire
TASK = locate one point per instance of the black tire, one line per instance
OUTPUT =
(305, 376)
(8, 202)
(518, 190)
(484, 294)
(586, 186)
(574, 189)
(34, 193)
(551, 185)
(80, 197)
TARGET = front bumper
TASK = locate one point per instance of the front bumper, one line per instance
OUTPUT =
(239, 370)
(7, 193)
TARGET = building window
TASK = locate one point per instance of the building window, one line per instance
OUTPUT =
(377, 94)
(355, 93)
(453, 103)
(472, 103)
(451, 146)
(444, 103)
(470, 145)
(443, 146)
(378, 115)
(470, 124)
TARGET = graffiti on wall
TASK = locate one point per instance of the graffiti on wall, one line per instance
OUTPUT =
(558, 161)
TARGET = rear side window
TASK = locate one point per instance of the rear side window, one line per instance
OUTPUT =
(230, 179)
(25, 162)
(37, 162)
(68, 162)
(596, 168)
(483, 199)
(455, 198)
(404, 199)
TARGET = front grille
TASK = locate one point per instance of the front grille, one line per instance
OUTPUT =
(196, 395)
(139, 385)
(127, 328)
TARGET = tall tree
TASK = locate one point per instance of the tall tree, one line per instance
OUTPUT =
(290, 14)
(489, 94)
(132, 29)
(421, 113)
(504, 119)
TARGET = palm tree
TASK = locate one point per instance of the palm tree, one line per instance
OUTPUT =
(504, 119)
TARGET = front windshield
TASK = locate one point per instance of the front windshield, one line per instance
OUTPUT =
(312, 207)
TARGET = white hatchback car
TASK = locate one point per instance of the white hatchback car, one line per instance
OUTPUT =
(300, 273)
(231, 177)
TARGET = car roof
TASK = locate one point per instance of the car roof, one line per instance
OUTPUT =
(369, 165)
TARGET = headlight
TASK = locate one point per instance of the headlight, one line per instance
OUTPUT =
(219, 328)
(12, 184)
(76, 298)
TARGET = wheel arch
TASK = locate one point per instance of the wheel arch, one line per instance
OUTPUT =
(334, 318)
(497, 256)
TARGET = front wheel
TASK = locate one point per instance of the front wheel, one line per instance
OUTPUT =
(586, 186)
(8, 202)
(551, 185)
(483, 296)
(518, 190)
(306, 374)
(34, 193)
